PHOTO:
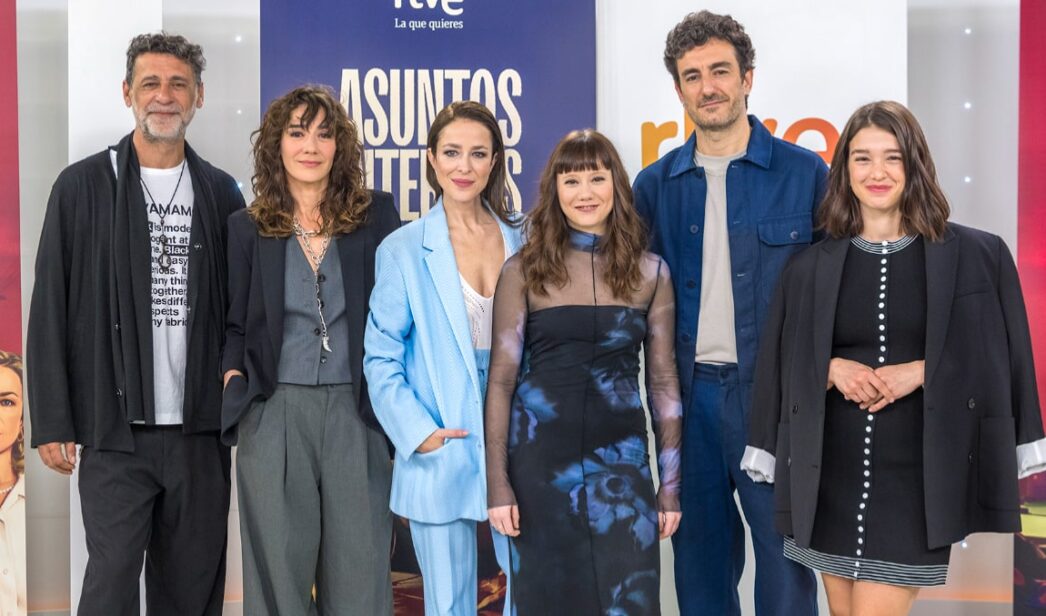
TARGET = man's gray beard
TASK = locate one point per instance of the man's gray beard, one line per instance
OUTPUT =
(143, 125)
(152, 137)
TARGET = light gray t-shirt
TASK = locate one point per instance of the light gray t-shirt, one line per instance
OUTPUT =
(170, 224)
(716, 342)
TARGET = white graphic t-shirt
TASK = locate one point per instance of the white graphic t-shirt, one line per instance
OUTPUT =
(169, 209)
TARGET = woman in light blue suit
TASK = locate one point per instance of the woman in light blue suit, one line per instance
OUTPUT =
(428, 345)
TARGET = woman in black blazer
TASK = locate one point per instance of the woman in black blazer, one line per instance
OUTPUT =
(895, 401)
(313, 469)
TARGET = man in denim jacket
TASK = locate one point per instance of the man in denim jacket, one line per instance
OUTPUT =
(726, 210)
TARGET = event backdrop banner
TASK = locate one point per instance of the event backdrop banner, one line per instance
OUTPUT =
(394, 66)
(12, 449)
(397, 63)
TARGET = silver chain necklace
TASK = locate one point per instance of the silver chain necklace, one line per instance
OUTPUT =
(304, 236)
(164, 260)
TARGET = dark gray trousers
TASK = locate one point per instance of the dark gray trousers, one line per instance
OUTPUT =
(167, 502)
(313, 483)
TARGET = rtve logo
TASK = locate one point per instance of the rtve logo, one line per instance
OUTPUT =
(652, 135)
(450, 7)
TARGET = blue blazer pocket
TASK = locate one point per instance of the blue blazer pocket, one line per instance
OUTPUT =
(446, 467)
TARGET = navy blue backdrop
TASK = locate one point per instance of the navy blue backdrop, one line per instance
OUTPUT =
(395, 63)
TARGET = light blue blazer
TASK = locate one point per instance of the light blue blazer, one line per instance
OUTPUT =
(421, 371)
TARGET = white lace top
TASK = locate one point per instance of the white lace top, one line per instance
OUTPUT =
(480, 310)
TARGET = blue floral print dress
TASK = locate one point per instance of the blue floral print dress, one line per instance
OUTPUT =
(567, 437)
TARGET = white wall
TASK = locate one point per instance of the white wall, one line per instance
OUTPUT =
(43, 149)
(947, 68)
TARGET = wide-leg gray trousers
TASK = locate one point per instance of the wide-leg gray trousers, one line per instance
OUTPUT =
(313, 489)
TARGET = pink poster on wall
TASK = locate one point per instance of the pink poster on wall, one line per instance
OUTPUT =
(10, 286)
(12, 487)
(1029, 553)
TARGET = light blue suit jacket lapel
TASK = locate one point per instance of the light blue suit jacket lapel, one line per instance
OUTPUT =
(443, 269)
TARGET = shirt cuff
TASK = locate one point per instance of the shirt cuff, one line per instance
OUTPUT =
(759, 464)
(1031, 458)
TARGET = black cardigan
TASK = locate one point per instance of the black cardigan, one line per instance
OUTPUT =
(254, 326)
(78, 384)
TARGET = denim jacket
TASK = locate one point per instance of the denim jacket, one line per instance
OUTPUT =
(772, 194)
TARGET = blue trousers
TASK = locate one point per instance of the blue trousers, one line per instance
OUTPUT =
(710, 543)
(447, 557)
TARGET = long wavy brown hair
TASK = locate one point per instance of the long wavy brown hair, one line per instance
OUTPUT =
(496, 191)
(924, 208)
(548, 233)
(345, 204)
(13, 362)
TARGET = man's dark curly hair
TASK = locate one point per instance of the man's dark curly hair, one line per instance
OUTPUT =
(697, 29)
(173, 44)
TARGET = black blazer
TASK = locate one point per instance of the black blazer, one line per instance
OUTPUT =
(980, 399)
(77, 387)
(254, 327)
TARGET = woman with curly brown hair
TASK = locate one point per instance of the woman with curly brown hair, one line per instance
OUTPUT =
(313, 469)
(568, 471)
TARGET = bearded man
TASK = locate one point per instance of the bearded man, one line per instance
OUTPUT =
(726, 210)
(130, 284)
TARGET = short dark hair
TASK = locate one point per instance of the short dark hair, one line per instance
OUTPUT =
(697, 29)
(173, 44)
(924, 208)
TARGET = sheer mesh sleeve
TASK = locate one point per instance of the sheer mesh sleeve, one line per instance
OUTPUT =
(662, 384)
(506, 353)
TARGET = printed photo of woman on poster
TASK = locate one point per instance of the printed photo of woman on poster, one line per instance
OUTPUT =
(12, 487)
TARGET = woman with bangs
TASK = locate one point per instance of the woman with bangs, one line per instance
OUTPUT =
(895, 400)
(568, 469)
(313, 468)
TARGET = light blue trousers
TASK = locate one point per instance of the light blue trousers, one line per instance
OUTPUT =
(447, 557)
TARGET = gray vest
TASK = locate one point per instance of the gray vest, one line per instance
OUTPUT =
(303, 361)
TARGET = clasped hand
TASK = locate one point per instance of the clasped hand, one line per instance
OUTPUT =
(873, 389)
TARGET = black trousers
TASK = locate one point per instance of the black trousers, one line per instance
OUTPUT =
(167, 502)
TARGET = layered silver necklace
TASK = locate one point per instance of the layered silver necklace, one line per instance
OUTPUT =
(165, 261)
(316, 259)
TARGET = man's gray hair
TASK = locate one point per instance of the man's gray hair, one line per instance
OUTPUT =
(173, 44)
